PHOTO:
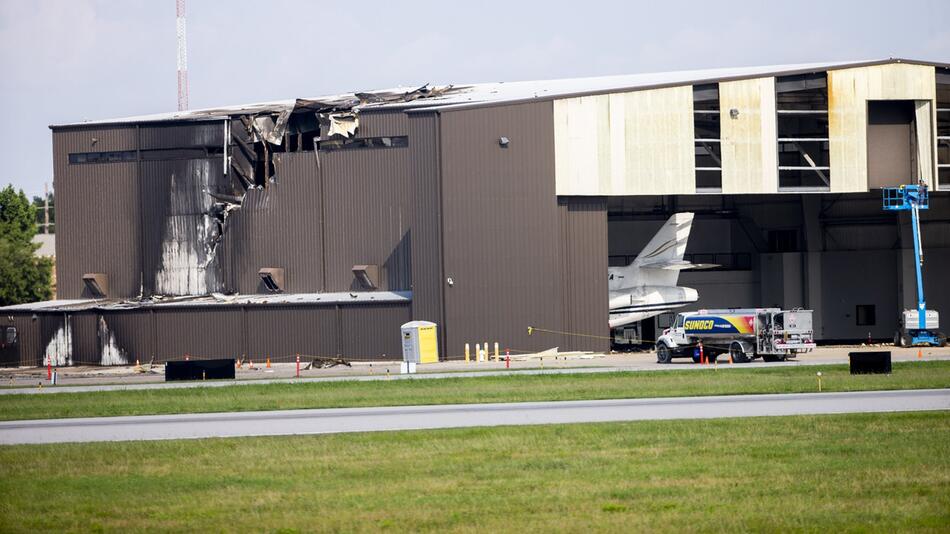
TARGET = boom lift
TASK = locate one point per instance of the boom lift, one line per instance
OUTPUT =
(918, 327)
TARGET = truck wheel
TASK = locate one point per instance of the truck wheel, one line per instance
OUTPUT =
(737, 354)
(663, 353)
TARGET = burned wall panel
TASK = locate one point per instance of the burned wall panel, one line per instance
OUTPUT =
(366, 212)
(127, 335)
(372, 332)
(56, 345)
(500, 220)
(279, 226)
(181, 226)
(316, 332)
(98, 219)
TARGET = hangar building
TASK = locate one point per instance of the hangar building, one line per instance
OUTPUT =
(318, 226)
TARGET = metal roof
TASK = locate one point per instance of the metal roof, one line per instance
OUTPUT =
(214, 300)
(441, 97)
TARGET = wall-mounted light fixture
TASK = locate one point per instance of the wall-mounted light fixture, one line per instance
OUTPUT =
(734, 113)
(503, 142)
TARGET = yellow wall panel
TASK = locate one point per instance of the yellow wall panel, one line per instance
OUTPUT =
(749, 151)
(636, 143)
(848, 93)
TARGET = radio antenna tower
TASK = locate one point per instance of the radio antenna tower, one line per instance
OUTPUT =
(182, 56)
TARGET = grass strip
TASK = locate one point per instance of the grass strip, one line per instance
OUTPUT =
(839, 473)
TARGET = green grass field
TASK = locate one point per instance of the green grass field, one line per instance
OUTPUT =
(868, 472)
(909, 375)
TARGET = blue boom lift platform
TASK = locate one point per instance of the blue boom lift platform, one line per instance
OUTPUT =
(920, 327)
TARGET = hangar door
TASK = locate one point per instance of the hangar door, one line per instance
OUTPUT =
(894, 147)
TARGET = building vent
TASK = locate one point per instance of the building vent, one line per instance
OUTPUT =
(272, 278)
(367, 276)
(97, 284)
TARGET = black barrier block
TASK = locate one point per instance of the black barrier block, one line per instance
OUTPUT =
(199, 369)
(866, 363)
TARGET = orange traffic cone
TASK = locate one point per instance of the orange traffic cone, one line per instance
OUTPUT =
(268, 362)
(920, 354)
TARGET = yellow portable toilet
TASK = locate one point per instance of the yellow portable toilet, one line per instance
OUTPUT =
(419, 342)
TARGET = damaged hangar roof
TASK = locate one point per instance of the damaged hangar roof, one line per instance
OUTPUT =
(451, 96)
(277, 299)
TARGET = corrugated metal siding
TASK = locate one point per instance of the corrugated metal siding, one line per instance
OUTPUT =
(500, 220)
(279, 226)
(183, 135)
(426, 223)
(85, 338)
(366, 209)
(584, 295)
(199, 333)
(282, 332)
(97, 225)
(177, 227)
(378, 124)
(74, 140)
(134, 333)
(372, 332)
(50, 324)
(28, 332)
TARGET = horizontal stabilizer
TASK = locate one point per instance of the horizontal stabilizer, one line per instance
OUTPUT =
(678, 265)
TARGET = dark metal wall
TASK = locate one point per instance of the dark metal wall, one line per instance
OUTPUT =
(584, 255)
(97, 208)
(366, 212)
(425, 230)
(501, 223)
(144, 223)
(354, 332)
(280, 226)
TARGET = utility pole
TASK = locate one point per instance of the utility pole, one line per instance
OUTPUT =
(46, 207)
(182, 56)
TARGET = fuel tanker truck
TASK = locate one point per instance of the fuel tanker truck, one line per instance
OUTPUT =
(744, 334)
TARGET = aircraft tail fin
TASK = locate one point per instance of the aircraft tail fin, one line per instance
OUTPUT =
(661, 260)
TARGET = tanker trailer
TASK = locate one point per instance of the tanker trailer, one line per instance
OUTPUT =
(744, 334)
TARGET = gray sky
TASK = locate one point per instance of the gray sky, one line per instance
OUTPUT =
(69, 60)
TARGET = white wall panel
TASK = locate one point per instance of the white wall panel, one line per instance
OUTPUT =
(749, 151)
(636, 143)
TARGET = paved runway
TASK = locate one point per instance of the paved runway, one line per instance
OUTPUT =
(326, 421)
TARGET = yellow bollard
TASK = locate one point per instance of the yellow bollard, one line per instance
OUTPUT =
(478, 352)
(496, 351)
(485, 348)
(468, 357)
